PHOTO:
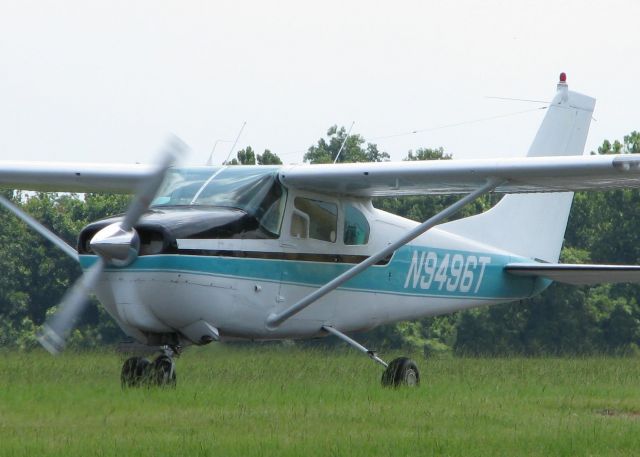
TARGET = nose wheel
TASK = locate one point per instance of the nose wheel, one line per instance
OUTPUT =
(139, 371)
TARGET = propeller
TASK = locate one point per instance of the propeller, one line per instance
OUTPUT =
(117, 244)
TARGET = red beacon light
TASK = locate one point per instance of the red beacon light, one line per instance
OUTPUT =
(563, 77)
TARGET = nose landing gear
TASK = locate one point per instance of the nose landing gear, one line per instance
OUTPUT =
(139, 371)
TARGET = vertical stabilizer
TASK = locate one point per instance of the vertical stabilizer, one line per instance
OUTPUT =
(533, 225)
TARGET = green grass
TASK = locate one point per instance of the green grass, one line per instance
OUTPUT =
(244, 401)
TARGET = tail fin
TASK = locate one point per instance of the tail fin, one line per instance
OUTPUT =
(533, 225)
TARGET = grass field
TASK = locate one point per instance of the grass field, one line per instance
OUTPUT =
(245, 401)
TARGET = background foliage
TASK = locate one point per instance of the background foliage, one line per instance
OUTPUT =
(602, 228)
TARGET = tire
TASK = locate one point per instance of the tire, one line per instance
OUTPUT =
(401, 372)
(134, 372)
(164, 371)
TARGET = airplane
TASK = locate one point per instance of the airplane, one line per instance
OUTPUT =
(223, 253)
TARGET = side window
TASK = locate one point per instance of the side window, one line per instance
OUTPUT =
(356, 227)
(299, 224)
(314, 219)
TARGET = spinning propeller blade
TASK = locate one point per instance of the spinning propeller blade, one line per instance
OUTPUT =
(57, 328)
(175, 148)
(117, 245)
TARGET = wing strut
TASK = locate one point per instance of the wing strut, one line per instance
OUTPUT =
(276, 319)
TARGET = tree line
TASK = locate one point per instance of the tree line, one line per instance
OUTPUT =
(564, 320)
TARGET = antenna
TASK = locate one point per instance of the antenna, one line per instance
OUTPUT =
(235, 142)
(344, 142)
(209, 161)
(517, 99)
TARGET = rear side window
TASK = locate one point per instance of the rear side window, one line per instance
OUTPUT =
(314, 219)
(356, 226)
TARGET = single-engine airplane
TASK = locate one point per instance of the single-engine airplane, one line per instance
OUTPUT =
(272, 252)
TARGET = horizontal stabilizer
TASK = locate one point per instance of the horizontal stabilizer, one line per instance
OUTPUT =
(577, 275)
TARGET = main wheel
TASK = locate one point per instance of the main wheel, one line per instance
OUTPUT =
(401, 372)
(164, 371)
(134, 372)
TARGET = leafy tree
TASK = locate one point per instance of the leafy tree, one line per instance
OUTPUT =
(268, 158)
(630, 145)
(609, 148)
(247, 156)
(326, 150)
(428, 154)
(34, 274)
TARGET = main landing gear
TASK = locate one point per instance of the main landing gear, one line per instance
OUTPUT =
(139, 371)
(399, 372)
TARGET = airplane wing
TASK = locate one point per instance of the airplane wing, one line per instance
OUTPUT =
(527, 174)
(72, 177)
(577, 275)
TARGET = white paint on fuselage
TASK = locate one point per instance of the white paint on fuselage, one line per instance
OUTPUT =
(178, 299)
(158, 302)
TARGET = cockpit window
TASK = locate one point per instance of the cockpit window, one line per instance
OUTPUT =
(255, 190)
(180, 185)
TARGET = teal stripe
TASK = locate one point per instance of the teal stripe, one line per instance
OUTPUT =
(388, 279)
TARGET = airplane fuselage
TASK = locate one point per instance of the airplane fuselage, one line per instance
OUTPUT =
(234, 284)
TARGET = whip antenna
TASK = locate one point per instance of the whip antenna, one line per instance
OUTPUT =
(235, 142)
(344, 142)
(209, 161)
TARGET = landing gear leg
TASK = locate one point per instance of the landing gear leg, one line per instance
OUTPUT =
(138, 371)
(400, 372)
(163, 369)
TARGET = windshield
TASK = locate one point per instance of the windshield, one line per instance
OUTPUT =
(255, 190)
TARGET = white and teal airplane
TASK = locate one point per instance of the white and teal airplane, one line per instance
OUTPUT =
(264, 253)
